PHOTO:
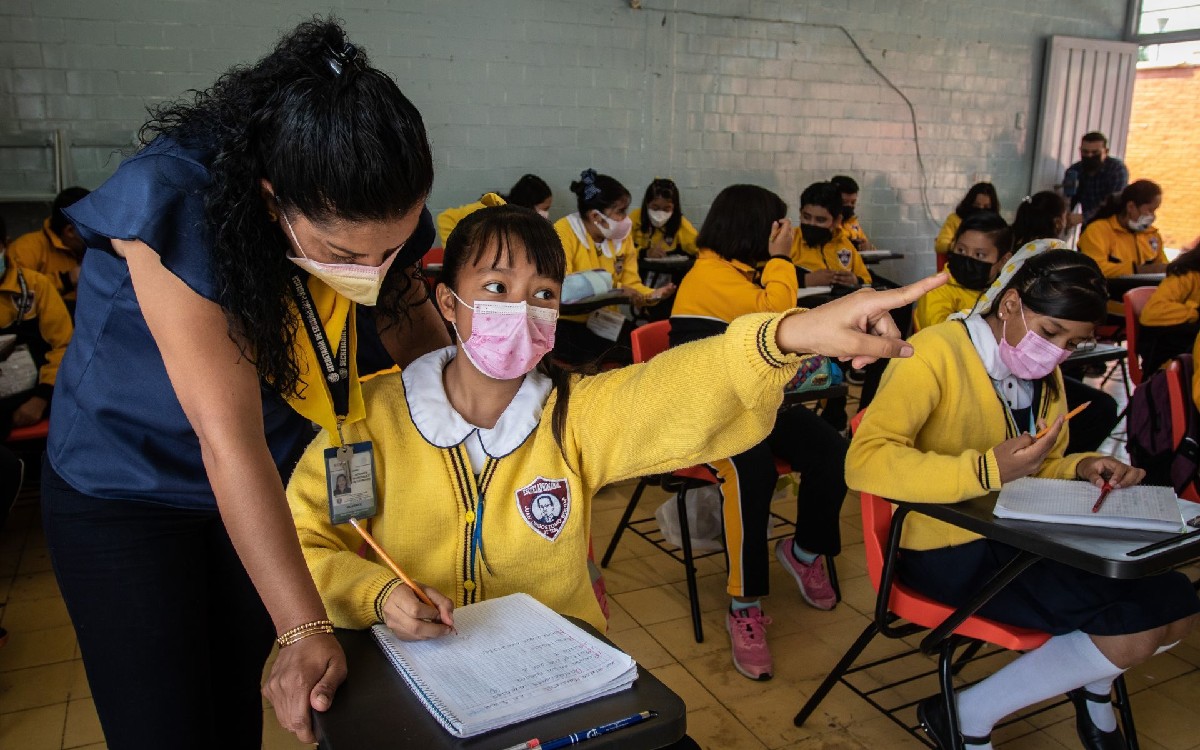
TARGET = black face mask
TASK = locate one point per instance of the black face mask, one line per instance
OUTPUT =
(847, 212)
(815, 236)
(970, 272)
(1092, 163)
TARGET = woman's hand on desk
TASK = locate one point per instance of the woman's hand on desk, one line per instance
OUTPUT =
(413, 620)
(1096, 469)
(856, 327)
(303, 679)
(1023, 455)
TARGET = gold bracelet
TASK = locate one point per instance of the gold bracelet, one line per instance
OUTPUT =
(301, 632)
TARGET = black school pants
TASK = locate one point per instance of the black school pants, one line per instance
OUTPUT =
(173, 635)
(814, 449)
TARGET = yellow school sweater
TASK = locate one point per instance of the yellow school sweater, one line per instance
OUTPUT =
(430, 501)
(839, 254)
(43, 251)
(1119, 251)
(45, 318)
(945, 236)
(854, 230)
(684, 239)
(928, 435)
(583, 253)
(948, 298)
(1174, 302)
(723, 289)
(447, 220)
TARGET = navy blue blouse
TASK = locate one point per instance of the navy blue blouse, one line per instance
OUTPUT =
(117, 430)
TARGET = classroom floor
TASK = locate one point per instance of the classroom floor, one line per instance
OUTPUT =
(45, 703)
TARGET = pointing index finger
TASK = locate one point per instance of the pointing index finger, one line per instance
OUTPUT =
(906, 295)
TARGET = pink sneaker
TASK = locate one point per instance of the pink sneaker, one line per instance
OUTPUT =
(812, 579)
(748, 638)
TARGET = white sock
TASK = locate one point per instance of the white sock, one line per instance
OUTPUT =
(1063, 663)
(1103, 715)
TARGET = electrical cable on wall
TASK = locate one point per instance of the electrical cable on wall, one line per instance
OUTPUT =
(912, 110)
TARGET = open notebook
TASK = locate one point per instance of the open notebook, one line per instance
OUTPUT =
(1070, 501)
(513, 659)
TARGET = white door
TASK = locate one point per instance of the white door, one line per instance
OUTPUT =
(1088, 85)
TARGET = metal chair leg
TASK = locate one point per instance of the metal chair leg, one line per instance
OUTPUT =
(688, 562)
(836, 673)
(946, 680)
(967, 655)
(1126, 711)
(612, 544)
(831, 570)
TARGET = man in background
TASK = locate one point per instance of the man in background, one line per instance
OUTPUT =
(1091, 180)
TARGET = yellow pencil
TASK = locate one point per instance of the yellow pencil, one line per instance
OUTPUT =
(1070, 414)
(366, 535)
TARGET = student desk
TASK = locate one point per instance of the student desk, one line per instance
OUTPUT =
(374, 710)
(1099, 355)
(668, 264)
(1093, 549)
(589, 304)
(873, 257)
(1118, 285)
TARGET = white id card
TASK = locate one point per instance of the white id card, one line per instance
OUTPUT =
(350, 480)
(606, 324)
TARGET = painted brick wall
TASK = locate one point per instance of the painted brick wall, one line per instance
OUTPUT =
(710, 92)
(1164, 145)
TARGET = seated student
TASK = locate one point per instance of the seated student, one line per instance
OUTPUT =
(55, 250)
(467, 438)
(1122, 238)
(30, 308)
(747, 225)
(659, 226)
(1171, 318)
(981, 197)
(848, 188)
(822, 249)
(530, 191)
(980, 246)
(952, 423)
(597, 235)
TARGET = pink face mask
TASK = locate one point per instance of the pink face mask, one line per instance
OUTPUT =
(616, 231)
(1033, 358)
(508, 339)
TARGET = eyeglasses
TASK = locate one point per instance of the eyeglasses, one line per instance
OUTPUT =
(1086, 345)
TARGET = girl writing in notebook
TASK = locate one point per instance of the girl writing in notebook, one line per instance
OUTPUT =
(954, 422)
(486, 458)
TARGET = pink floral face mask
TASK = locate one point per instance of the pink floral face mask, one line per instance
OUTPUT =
(508, 339)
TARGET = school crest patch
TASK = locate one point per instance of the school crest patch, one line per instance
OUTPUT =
(844, 257)
(545, 505)
(1154, 244)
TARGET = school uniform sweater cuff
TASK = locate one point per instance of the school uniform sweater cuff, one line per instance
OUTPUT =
(988, 471)
(382, 597)
(366, 603)
(767, 345)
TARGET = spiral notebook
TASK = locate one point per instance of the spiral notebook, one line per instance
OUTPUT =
(512, 659)
(1142, 506)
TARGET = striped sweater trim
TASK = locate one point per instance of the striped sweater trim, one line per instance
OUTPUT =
(382, 598)
(764, 348)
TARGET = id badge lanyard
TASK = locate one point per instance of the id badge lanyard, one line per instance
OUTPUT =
(335, 367)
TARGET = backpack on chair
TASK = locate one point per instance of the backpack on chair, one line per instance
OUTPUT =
(1151, 442)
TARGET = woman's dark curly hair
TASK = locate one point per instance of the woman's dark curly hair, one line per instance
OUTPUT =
(336, 139)
(661, 187)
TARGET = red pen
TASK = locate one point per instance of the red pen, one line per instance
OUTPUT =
(1104, 490)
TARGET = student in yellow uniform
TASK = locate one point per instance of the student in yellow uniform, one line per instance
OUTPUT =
(953, 423)
(467, 438)
(56, 249)
(598, 236)
(1122, 238)
(530, 191)
(31, 309)
(848, 187)
(659, 226)
(822, 246)
(980, 246)
(748, 226)
(1171, 318)
(981, 197)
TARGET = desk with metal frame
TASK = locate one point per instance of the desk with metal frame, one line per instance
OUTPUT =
(873, 257)
(374, 708)
(1118, 285)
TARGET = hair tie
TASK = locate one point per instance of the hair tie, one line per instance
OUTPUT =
(339, 61)
(1027, 199)
(588, 178)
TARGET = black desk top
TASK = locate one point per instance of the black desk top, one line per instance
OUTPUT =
(871, 257)
(667, 263)
(1102, 353)
(1094, 549)
(374, 710)
(1118, 285)
(582, 306)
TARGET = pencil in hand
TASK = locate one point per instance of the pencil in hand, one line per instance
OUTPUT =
(387, 560)
(1074, 412)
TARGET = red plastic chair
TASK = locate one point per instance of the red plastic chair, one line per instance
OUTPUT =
(433, 255)
(895, 601)
(1182, 411)
(37, 431)
(646, 341)
(1135, 302)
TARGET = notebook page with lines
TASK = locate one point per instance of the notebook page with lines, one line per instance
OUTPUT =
(1144, 507)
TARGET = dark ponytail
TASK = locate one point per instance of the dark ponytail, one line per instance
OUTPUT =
(597, 192)
(1037, 218)
(1139, 192)
(336, 139)
(529, 191)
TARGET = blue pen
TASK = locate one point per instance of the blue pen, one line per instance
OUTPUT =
(612, 726)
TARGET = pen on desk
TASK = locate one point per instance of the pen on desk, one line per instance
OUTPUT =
(1074, 412)
(1162, 543)
(1104, 490)
(387, 560)
(587, 734)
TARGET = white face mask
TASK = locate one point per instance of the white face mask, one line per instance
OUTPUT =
(356, 283)
(1142, 223)
(544, 214)
(659, 218)
(616, 231)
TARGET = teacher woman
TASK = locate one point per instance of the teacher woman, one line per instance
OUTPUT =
(243, 266)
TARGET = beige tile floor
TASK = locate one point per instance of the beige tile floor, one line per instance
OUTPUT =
(45, 702)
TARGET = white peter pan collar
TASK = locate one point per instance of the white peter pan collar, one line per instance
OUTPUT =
(576, 222)
(443, 427)
(1016, 392)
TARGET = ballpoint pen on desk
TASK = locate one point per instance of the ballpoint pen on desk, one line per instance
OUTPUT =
(1074, 412)
(587, 734)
